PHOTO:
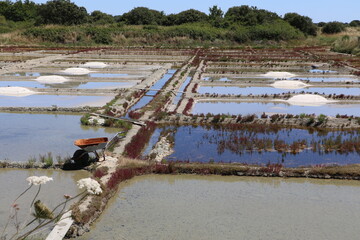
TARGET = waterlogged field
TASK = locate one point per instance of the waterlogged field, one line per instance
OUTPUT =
(259, 144)
(215, 207)
(28, 135)
(245, 108)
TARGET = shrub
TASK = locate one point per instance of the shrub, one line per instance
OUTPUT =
(100, 35)
(333, 27)
(85, 119)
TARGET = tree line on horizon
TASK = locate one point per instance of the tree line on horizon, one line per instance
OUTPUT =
(65, 12)
(62, 21)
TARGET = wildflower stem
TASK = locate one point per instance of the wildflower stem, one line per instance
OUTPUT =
(35, 196)
(12, 206)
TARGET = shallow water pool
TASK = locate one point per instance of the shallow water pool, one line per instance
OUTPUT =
(13, 182)
(244, 108)
(51, 100)
(271, 90)
(28, 135)
(69, 84)
(217, 207)
(221, 144)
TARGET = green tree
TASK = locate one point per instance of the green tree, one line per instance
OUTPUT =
(250, 16)
(215, 13)
(99, 17)
(190, 16)
(354, 23)
(143, 16)
(4, 6)
(18, 11)
(62, 12)
(302, 23)
(333, 27)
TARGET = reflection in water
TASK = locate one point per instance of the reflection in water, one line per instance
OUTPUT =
(226, 145)
(258, 108)
(271, 90)
(214, 207)
(27, 135)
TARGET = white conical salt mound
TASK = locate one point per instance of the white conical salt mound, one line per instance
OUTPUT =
(308, 100)
(76, 71)
(51, 79)
(278, 75)
(94, 65)
(289, 84)
(16, 91)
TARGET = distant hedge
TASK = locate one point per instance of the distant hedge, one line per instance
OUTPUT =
(277, 31)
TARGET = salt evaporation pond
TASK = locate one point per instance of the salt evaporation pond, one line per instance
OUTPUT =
(234, 79)
(244, 108)
(150, 94)
(69, 84)
(327, 79)
(322, 71)
(231, 145)
(302, 77)
(28, 135)
(186, 207)
(91, 74)
(271, 90)
(13, 182)
(54, 100)
(181, 89)
(25, 74)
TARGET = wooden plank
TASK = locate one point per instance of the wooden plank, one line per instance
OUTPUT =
(61, 228)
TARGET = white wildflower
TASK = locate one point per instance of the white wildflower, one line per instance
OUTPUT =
(91, 185)
(35, 180)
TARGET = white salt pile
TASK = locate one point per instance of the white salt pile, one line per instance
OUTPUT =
(16, 91)
(94, 65)
(289, 84)
(51, 79)
(278, 75)
(308, 100)
(76, 71)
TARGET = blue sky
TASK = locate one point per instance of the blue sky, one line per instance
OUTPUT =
(318, 10)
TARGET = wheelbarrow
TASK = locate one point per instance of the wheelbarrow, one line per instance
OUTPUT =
(81, 157)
